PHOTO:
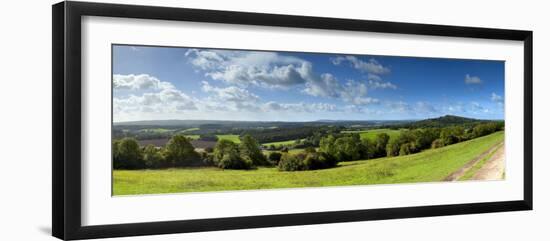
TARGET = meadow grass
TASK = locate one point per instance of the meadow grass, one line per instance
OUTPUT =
(233, 138)
(427, 166)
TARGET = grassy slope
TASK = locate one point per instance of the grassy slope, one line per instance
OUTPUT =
(427, 166)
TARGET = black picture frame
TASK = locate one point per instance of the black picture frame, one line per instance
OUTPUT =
(66, 127)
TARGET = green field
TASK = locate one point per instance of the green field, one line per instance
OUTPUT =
(156, 130)
(233, 138)
(189, 130)
(427, 166)
(371, 134)
(280, 143)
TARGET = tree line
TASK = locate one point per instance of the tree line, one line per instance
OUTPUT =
(331, 149)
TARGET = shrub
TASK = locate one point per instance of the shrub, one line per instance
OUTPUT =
(291, 162)
(233, 160)
(306, 161)
(319, 160)
(127, 154)
(275, 157)
(437, 143)
(227, 156)
(208, 159)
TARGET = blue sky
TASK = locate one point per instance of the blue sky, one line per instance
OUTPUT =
(153, 83)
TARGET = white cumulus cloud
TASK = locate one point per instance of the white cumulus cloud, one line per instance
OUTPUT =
(371, 66)
(354, 92)
(468, 79)
(161, 97)
(244, 68)
(139, 82)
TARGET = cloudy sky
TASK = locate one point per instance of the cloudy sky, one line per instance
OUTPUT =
(158, 83)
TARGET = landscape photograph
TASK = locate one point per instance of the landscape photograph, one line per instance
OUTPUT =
(187, 119)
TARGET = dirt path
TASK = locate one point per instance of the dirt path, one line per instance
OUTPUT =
(460, 172)
(493, 168)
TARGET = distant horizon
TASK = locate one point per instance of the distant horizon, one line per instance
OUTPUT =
(171, 83)
(319, 120)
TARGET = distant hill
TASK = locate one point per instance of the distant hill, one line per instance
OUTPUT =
(446, 120)
(443, 121)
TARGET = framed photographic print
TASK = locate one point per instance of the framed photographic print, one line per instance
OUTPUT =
(169, 120)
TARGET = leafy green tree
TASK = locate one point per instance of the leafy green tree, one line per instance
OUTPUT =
(484, 129)
(223, 147)
(227, 156)
(423, 138)
(290, 162)
(326, 144)
(450, 135)
(153, 157)
(405, 149)
(381, 142)
(393, 147)
(180, 153)
(348, 148)
(127, 154)
(249, 147)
